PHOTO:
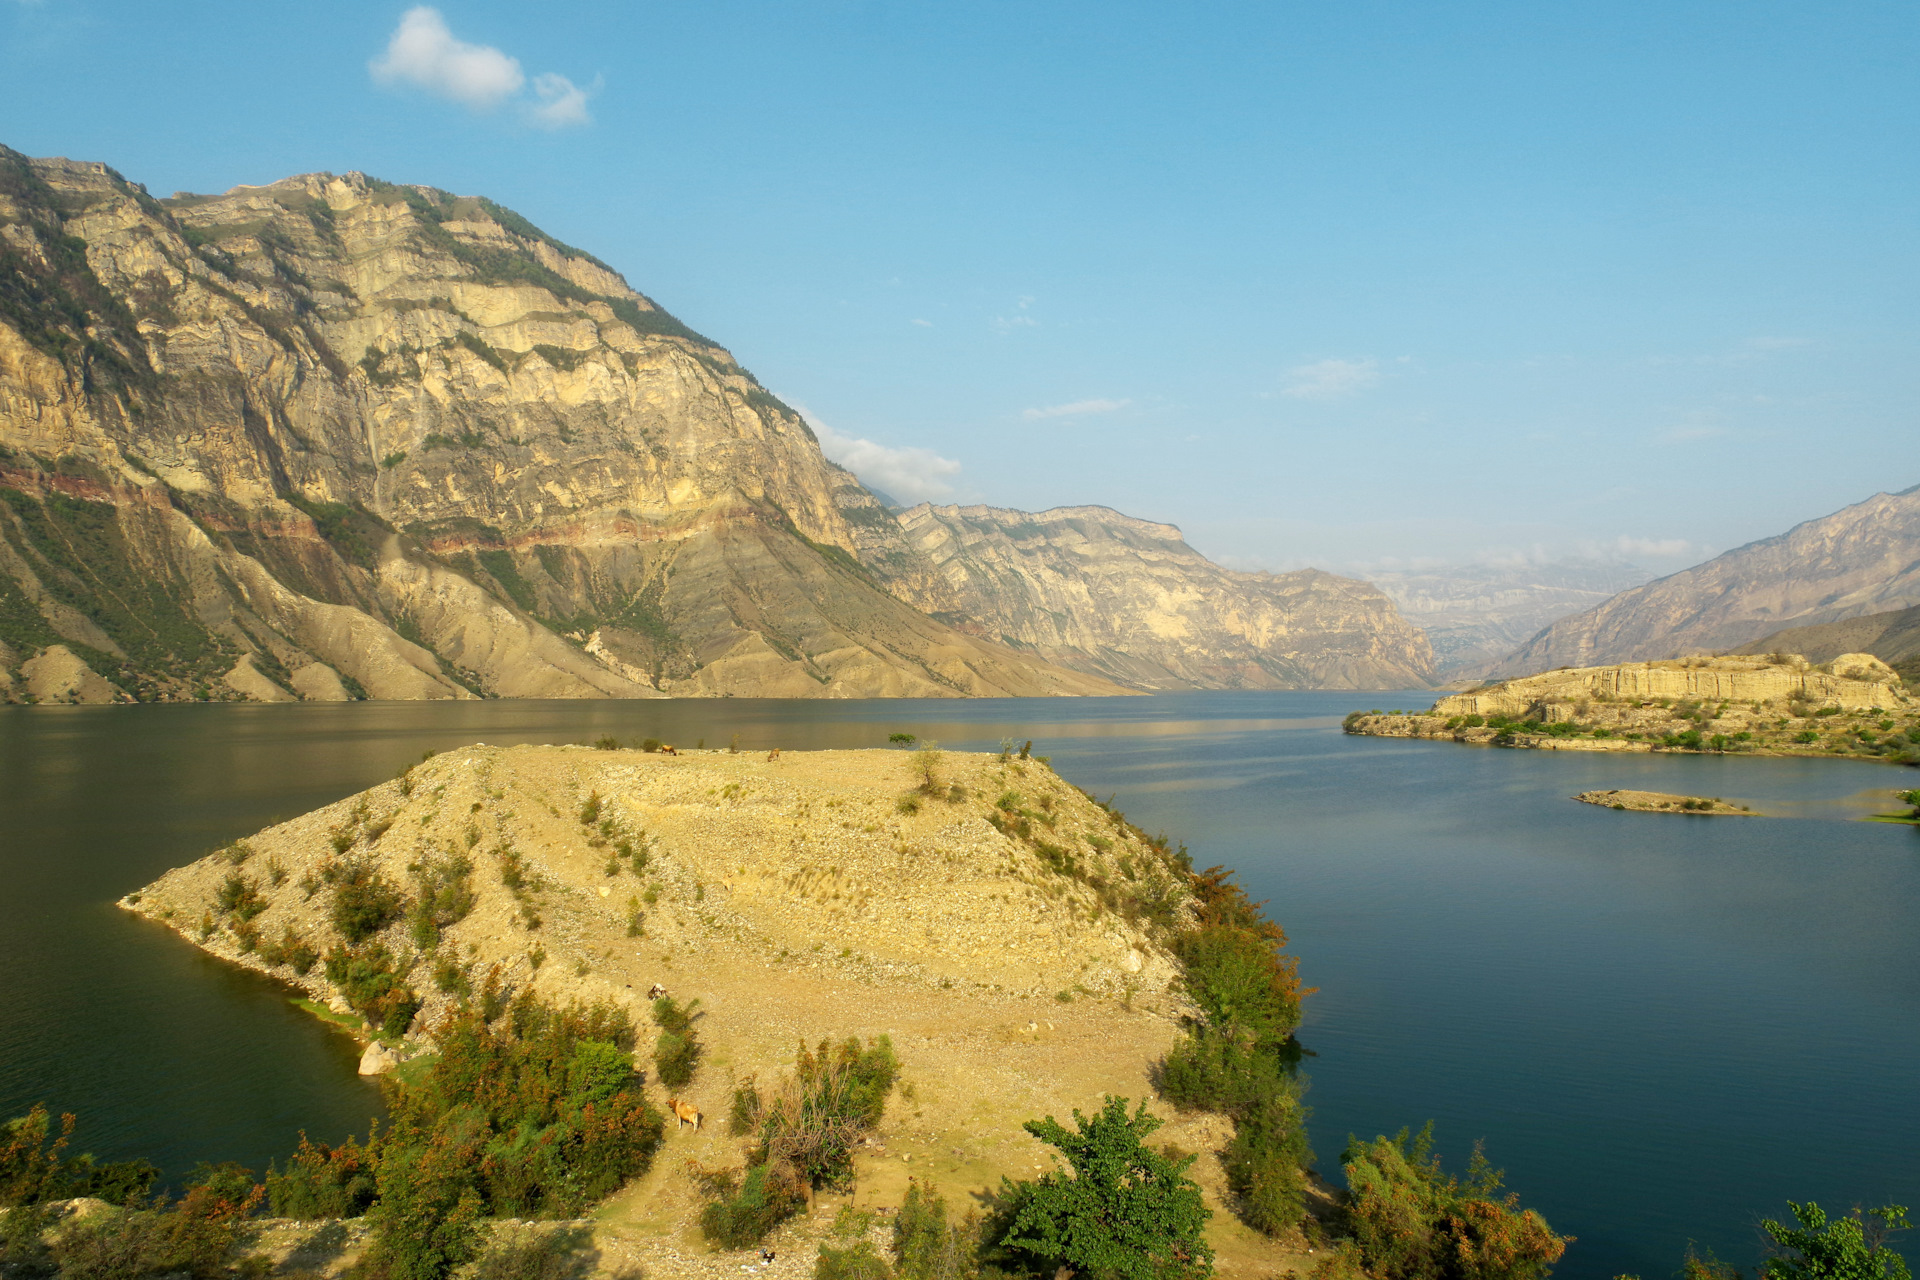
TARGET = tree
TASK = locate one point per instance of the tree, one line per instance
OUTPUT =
(1127, 1213)
(1824, 1248)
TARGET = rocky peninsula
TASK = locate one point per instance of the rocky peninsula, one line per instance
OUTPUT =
(1854, 707)
(1010, 936)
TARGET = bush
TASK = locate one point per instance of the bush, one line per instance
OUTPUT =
(1838, 1248)
(240, 898)
(857, 1261)
(926, 1246)
(323, 1182)
(292, 951)
(1128, 1212)
(364, 901)
(744, 1207)
(372, 983)
(32, 1170)
(1410, 1221)
(676, 1053)
(443, 896)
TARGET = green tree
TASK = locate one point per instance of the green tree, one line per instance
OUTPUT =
(1823, 1248)
(1127, 1213)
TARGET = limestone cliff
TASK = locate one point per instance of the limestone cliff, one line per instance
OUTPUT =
(1861, 560)
(1097, 591)
(339, 438)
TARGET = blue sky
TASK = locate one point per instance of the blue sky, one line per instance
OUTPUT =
(1338, 284)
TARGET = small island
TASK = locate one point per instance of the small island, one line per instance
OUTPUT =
(1662, 802)
(1854, 707)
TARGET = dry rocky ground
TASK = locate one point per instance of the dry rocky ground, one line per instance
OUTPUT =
(795, 898)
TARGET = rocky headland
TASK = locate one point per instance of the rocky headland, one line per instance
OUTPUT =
(1009, 935)
(1854, 706)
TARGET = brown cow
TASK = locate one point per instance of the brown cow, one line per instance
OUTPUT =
(684, 1113)
(773, 755)
(666, 749)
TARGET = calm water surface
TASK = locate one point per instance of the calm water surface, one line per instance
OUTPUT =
(1662, 1027)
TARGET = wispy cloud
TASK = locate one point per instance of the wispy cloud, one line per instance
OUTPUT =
(424, 53)
(924, 324)
(1628, 547)
(1018, 320)
(911, 475)
(1076, 409)
(1332, 379)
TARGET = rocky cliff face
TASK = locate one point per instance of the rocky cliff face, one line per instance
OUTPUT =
(1100, 592)
(335, 438)
(1864, 559)
(339, 438)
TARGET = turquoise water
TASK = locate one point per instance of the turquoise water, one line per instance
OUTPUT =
(1663, 1027)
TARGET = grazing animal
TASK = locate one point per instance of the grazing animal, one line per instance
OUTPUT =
(655, 991)
(773, 755)
(684, 1113)
(767, 1256)
(666, 749)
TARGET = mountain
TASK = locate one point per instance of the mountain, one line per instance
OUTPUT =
(1476, 614)
(1861, 560)
(1892, 637)
(1100, 592)
(335, 437)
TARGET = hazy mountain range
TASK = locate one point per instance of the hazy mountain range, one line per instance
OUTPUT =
(336, 437)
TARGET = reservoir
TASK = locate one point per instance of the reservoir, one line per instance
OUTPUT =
(1662, 1027)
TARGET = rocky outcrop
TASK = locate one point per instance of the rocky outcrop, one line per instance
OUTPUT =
(1853, 706)
(1862, 560)
(409, 446)
(1128, 599)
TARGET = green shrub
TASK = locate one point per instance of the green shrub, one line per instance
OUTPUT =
(928, 1247)
(323, 1182)
(364, 901)
(240, 898)
(744, 1207)
(1410, 1221)
(1127, 1212)
(676, 1053)
(1823, 1248)
(292, 951)
(443, 896)
(857, 1261)
(372, 982)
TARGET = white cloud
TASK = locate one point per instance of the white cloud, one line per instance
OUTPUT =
(1330, 379)
(1075, 409)
(924, 324)
(562, 102)
(911, 475)
(424, 53)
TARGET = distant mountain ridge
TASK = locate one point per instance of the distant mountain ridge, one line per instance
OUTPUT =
(1096, 591)
(1861, 560)
(1892, 637)
(336, 437)
(1476, 614)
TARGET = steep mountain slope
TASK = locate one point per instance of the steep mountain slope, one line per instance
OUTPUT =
(1860, 560)
(1892, 637)
(1476, 614)
(334, 436)
(1091, 589)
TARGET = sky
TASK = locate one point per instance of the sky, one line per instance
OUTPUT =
(1358, 284)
